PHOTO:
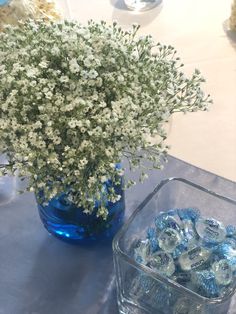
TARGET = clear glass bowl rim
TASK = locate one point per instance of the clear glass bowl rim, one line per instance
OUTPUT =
(118, 251)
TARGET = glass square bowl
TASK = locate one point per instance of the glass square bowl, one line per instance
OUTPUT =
(140, 290)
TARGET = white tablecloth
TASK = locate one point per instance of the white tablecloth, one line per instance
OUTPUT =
(198, 30)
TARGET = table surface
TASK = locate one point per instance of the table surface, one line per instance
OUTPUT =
(40, 274)
(198, 29)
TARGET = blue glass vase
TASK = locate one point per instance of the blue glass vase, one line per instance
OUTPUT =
(68, 222)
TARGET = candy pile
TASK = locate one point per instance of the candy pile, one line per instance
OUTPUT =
(196, 252)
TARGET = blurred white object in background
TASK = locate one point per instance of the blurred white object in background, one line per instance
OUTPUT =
(8, 184)
(141, 5)
(13, 11)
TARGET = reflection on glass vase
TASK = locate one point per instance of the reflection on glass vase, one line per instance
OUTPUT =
(66, 221)
(8, 184)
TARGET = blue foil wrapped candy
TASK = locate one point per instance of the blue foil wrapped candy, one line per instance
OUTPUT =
(169, 239)
(210, 230)
(142, 251)
(230, 231)
(206, 283)
(194, 258)
(152, 236)
(189, 214)
(163, 263)
(185, 306)
(146, 283)
(181, 277)
(190, 233)
(164, 220)
(141, 285)
(162, 297)
(180, 249)
(223, 272)
(227, 250)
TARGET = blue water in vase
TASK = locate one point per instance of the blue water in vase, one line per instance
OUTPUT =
(68, 222)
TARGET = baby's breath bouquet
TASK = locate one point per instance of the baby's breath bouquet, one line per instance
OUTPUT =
(75, 100)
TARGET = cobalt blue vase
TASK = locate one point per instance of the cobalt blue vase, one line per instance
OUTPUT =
(68, 222)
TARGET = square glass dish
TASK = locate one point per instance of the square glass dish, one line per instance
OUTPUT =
(141, 290)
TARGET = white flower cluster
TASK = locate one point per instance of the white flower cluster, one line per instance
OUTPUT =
(75, 100)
